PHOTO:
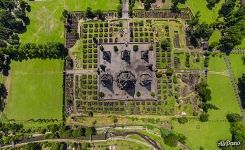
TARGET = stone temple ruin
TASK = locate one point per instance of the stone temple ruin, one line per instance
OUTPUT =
(125, 72)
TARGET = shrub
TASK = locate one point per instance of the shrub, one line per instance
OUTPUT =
(165, 44)
(135, 48)
(233, 117)
(115, 48)
(138, 94)
(182, 120)
(171, 140)
(195, 113)
(203, 117)
(101, 94)
(158, 74)
(153, 94)
(169, 71)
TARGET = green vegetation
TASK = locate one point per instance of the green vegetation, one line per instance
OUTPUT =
(36, 90)
(241, 86)
(46, 17)
(237, 64)
(207, 16)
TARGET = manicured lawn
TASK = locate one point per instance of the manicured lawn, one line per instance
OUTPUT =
(217, 63)
(237, 64)
(207, 15)
(46, 23)
(203, 134)
(215, 37)
(36, 90)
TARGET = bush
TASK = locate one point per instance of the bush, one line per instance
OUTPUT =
(203, 117)
(169, 71)
(135, 48)
(115, 48)
(182, 120)
(138, 94)
(165, 44)
(158, 74)
(233, 117)
(171, 140)
(101, 94)
(195, 113)
(153, 94)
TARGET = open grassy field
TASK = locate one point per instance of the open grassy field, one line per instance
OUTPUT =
(46, 23)
(35, 90)
(207, 15)
(237, 64)
(217, 63)
(215, 37)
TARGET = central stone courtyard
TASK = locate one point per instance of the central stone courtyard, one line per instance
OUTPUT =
(127, 72)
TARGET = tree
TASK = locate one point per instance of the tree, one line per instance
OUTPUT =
(119, 10)
(135, 48)
(153, 94)
(138, 94)
(165, 44)
(101, 94)
(182, 120)
(241, 87)
(227, 7)
(203, 117)
(233, 117)
(147, 4)
(171, 140)
(100, 14)
(90, 113)
(169, 71)
(115, 48)
(89, 13)
(211, 3)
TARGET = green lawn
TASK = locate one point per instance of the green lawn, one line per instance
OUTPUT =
(207, 15)
(36, 90)
(237, 64)
(217, 63)
(217, 128)
(215, 37)
(46, 22)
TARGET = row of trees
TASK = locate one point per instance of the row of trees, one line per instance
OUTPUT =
(241, 87)
(14, 132)
(204, 95)
(32, 50)
(13, 21)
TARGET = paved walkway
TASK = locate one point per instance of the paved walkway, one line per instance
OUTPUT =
(125, 9)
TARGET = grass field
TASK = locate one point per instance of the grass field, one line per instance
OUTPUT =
(46, 17)
(217, 63)
(217, 128)
(35, 90)
(237, 64)
(215, 37)
(207, 15)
